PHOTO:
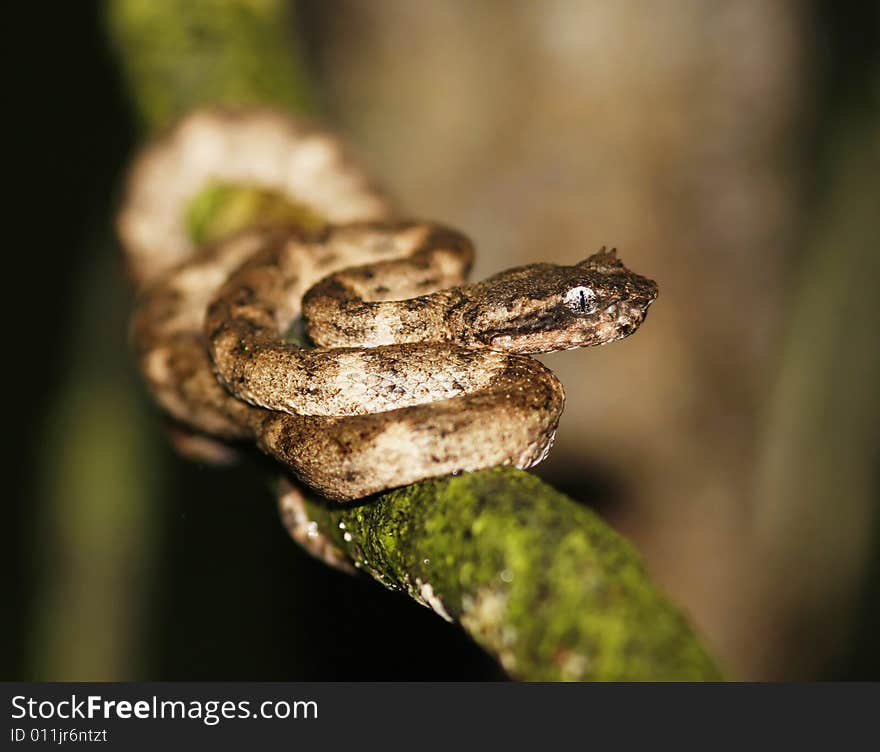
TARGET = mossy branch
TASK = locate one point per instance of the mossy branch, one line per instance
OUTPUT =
(179, 54)
(539, 581)
(536, 579)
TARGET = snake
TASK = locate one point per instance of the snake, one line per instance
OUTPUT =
(352, 350)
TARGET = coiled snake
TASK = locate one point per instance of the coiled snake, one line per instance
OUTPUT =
(412, 375)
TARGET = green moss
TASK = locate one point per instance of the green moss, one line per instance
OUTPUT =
(538, 580)
(220, 209)
(181, 54)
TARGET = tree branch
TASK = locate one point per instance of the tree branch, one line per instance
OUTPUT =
(539, 581)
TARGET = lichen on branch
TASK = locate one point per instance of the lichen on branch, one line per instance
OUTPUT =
(539, 581)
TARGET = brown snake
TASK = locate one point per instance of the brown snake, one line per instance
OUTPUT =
(413, 373)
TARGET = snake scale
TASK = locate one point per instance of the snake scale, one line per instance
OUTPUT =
(402, 372)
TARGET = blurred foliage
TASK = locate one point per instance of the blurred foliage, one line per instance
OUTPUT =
(217, 38)
(219, 210)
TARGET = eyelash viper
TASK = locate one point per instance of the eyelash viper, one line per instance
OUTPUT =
(409, 372)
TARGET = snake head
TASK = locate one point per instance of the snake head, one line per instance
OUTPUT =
(545, 307)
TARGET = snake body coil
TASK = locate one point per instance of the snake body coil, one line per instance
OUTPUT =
(413, 374)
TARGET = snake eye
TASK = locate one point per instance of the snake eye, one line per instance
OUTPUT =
(581, 300)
